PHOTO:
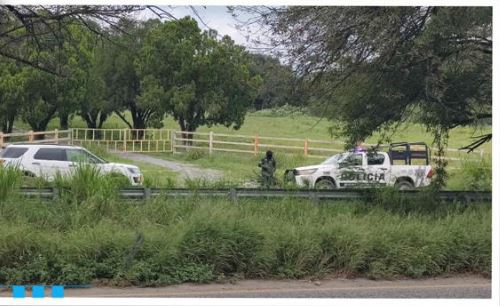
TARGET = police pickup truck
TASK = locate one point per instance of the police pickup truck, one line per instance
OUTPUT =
(404, 166)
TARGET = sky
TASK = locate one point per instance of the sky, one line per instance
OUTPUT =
(215, 17)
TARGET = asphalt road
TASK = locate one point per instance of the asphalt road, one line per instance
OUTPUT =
(453, 287)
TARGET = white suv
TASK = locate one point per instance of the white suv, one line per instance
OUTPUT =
(48, 160)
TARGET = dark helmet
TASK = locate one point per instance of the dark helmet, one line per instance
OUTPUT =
(269, 154)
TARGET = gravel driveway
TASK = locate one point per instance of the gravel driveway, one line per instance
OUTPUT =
(185, 171)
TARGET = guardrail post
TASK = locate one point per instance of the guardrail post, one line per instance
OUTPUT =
(1, 140)
(306, 147)
(210, 142)
(256, 144)
(147, 193)
(55, 193)
(232, 195)
(56, 136)
(30, 136)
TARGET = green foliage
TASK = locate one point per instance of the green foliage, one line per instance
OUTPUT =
(277, 85)
(193, 76)
(230, 247)
(476, 174)
(10, 180)
(169, 241)
(88, 181)
(370, 68)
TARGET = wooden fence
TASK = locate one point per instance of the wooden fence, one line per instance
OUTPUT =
(129, 140)
(167, 140)
(55, 136)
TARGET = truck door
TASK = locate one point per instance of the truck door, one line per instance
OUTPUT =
(378, 169)
(351, 172)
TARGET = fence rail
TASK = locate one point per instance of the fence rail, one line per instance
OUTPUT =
(236, 193)
(55, 136)
(167, 140)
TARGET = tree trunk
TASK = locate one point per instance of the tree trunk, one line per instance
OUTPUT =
(64, 121)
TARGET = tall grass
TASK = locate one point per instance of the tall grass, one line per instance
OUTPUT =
(168, 241)
(88, 181)
(10, 180)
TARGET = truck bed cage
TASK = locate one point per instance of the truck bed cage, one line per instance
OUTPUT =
(408, 151)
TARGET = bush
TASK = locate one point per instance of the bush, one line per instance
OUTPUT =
(230, 247)
(476, 174)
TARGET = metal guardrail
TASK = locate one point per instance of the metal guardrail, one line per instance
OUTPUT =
(138, 193)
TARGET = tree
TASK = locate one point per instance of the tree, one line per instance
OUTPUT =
(194, 77)
(278, 82)
(433, 63)
(38, 24)
(370, 67)
(11, 84)
(122, 82)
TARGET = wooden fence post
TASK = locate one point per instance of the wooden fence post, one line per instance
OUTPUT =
(56, 136)
(210, 142)
(30, 136)
(256, 145)
(124, 140)
(1, 140)
(306, 147)
(172, 141)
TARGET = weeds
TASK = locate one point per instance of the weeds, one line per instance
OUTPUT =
(202, 240)
(10, 180)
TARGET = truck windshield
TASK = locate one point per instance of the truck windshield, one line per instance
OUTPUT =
(334, 159)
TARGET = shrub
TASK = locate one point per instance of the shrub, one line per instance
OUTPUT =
(230, 247)
(476, 174)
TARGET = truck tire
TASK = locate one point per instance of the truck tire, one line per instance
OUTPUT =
(404, 185)
(325, 183)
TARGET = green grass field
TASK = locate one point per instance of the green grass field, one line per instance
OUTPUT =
(242, 167)
(298, 125)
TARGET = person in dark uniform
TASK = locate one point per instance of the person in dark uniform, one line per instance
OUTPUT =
(267, 168)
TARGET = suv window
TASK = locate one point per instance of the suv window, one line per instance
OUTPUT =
(13, 152)
(375, 159)
(77, 155)
(51, 154)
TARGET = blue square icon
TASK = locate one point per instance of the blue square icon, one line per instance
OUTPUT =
(38, 291)
(18, 292)
(57, 291)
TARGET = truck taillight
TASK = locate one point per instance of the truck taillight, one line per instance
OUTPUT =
(430, 173)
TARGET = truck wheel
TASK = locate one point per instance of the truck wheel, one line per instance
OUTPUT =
(404, 185)
(324, 184)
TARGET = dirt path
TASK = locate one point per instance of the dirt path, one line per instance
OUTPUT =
(185, 171)
(452, 287)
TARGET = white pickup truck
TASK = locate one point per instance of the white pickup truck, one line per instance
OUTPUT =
(405, 166)
(48, 161)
